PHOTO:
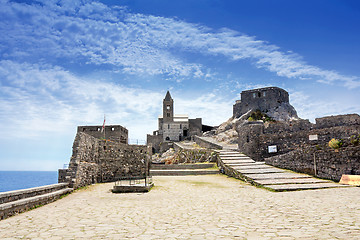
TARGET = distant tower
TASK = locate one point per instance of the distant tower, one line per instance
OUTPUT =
(168, 108)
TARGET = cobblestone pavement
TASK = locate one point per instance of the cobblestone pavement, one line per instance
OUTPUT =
(193, 207)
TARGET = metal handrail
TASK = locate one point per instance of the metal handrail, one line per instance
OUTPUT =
(133, 180)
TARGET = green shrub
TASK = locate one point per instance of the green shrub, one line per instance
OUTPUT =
(258, 115)
(355, 140)
(335, 144)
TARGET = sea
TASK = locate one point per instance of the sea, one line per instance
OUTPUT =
(15, 180)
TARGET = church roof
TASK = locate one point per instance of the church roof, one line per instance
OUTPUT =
(168, 96)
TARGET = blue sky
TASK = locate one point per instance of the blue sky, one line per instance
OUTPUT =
(67, 63)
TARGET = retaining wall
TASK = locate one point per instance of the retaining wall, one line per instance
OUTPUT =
(329, 163)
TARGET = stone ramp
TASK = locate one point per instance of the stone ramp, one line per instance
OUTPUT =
(242, 167)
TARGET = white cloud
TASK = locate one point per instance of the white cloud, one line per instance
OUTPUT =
(47, 100)
(139, 44)
(43, 101)
(310, 108)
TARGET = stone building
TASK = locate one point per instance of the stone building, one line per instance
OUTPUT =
(104, 157)
(273, 101)
(172, 127)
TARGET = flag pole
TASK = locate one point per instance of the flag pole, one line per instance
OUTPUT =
(103, 127)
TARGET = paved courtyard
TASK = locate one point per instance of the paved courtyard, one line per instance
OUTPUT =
(193, 207)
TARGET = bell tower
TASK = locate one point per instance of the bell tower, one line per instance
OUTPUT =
(168, 108)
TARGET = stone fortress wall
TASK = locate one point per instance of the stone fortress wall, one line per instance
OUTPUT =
(96, 160)
(270, 100)
(295, 150)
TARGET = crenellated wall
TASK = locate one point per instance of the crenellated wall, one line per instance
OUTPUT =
(115, 133)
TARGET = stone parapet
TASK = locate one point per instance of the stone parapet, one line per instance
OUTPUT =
(14, 202)
(11, 196)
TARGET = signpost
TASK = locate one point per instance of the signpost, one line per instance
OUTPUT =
(272, 149)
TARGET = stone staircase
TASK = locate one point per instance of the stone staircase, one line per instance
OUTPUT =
(18, 201)
(240, 166)
(183, 169)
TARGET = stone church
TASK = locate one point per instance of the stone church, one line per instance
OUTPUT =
(173, 127)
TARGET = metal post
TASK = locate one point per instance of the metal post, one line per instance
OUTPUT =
(315, 165)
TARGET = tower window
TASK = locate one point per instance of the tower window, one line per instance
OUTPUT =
(168, 114)
(180, 126)
(168, 126)
(259, 94)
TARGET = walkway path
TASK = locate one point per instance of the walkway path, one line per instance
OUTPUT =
(240, 166)
(258, 173)
(193, 207)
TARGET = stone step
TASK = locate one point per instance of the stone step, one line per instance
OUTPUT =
(231, 163)
(286, 175)
(294, 187)
(260, 171)
(182, 172)
(238, 161)
(232, 155)
(290, 181)
(182, 166)
(250, 166)
(237, 157)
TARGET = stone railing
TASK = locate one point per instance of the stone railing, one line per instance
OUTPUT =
(202, 142)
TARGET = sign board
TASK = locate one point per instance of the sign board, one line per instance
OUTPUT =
(272, 149)
(313, 137)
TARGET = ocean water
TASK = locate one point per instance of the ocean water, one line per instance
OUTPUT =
(15, 180)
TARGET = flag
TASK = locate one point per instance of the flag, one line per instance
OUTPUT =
(103, 126)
